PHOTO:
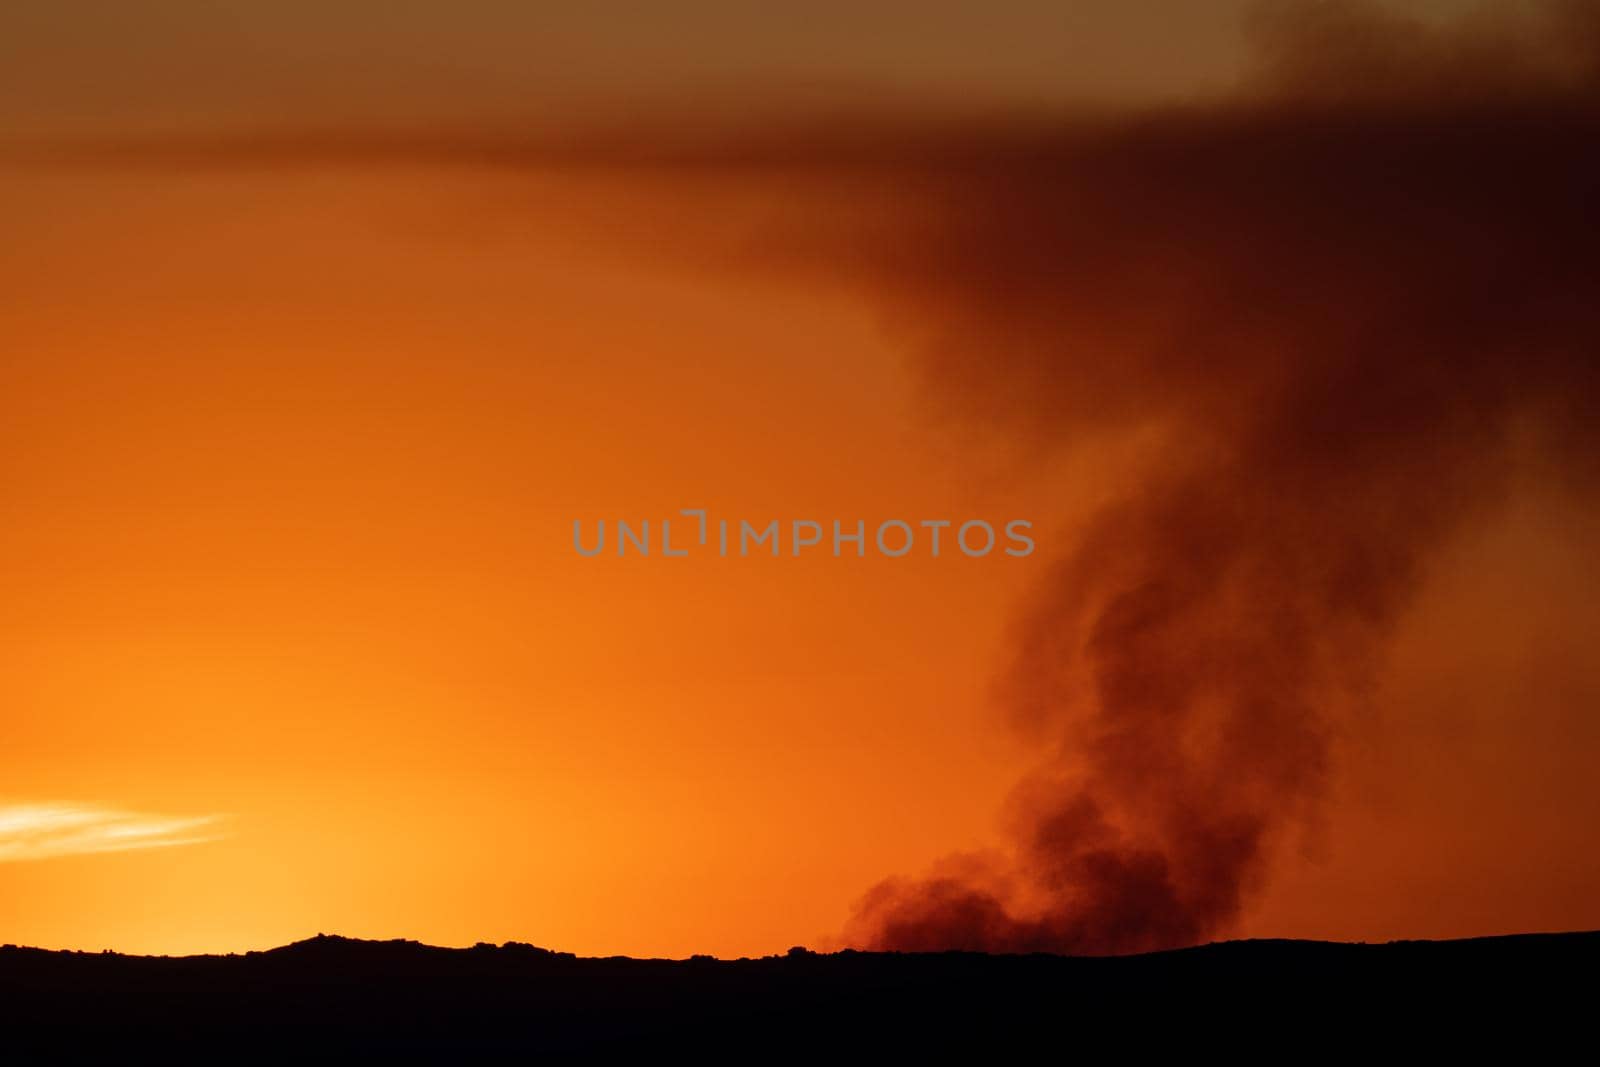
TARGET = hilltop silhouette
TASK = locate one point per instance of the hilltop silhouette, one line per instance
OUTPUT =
(335, 994)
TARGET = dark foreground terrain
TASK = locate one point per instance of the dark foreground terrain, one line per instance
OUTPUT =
(1524, 994)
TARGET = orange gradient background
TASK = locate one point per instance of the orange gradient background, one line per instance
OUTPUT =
(289, 459)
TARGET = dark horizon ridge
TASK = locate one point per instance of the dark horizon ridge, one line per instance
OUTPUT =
(326, 940)
(405, 1000)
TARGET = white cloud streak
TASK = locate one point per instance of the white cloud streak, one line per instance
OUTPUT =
(43, 831)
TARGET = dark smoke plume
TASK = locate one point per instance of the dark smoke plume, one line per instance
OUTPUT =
(1332, 303)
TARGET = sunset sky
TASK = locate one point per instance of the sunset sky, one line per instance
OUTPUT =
(320, 324)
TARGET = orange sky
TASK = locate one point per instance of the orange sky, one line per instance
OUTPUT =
(289, 459)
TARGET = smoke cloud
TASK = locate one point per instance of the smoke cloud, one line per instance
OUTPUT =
(1333, 303)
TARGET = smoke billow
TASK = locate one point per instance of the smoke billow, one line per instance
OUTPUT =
(1333, 303)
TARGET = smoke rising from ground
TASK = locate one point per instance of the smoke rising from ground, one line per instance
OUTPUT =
(1333, 302)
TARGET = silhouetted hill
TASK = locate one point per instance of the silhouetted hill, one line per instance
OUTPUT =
(401, 998)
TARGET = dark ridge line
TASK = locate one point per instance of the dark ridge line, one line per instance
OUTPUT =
(322, 941)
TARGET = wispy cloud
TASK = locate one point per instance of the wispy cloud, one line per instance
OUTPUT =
(40, 831)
